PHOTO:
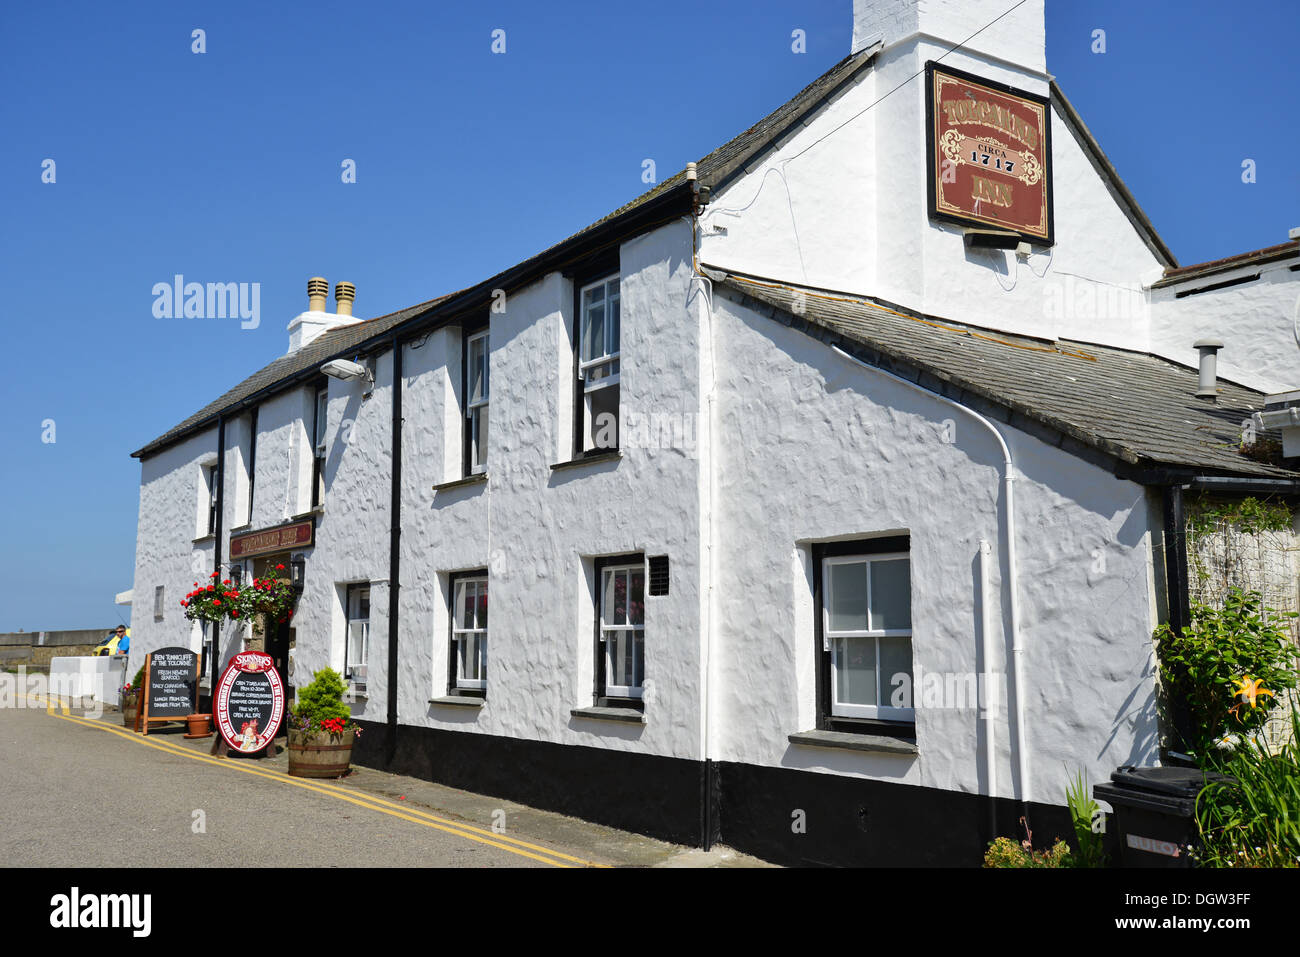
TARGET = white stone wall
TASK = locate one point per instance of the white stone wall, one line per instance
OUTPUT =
(1255, 321)
(841, 205)
(167, 553)
(815, 448)
(537, 529)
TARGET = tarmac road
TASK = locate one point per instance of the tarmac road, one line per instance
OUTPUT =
(77, 792)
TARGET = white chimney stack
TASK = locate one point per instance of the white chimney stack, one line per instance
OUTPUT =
(993, 29)
(308, 326)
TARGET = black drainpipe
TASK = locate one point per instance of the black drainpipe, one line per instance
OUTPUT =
(216, 545)
(394, 557)
(1180, 614)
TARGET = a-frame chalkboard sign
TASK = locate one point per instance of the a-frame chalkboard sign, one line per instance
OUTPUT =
(171, 687)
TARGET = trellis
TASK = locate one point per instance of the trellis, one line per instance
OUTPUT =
(1254, 546)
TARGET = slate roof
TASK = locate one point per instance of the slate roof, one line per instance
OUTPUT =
(1256, 257)
(286, 368)
(1109, 404)
(715, 170)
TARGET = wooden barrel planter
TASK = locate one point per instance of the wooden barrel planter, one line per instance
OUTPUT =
(319, 754)
(130, 709)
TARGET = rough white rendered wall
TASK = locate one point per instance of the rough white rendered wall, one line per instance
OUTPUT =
(814, 448)
(351, 534)
(841, 205)
(537, 529)
(166, 551)
(276, 493)
(1256, 321)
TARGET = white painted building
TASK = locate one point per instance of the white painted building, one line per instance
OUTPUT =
(744, 464)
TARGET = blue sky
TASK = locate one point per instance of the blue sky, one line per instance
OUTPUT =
(225, 166)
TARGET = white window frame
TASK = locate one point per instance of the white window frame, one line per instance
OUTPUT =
(352, 633)
(831, 642)
(209, 499)
(320, 447)
(607, 358)
(462, 630)
(476, 407)
(608, 629)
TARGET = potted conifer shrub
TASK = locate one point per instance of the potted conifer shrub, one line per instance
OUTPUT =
(321, 730)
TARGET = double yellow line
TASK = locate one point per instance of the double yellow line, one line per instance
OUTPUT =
(367, 801)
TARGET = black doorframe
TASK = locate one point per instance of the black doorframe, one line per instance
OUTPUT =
(277, 646)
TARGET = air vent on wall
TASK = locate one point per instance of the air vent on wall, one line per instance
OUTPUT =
(658, 575)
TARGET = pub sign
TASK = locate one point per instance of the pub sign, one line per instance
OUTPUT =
(989, 154)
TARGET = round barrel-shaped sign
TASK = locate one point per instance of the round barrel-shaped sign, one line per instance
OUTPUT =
(249, 704)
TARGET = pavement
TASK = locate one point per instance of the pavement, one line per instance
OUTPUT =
(81, 790)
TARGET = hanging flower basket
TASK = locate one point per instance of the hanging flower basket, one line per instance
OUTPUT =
(226, 601)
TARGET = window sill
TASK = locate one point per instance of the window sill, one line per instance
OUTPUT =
(879, 743)
(477, 479)
(613, 456)
(458, 701)
(627, 715)
(210, 537)
(240, 528)
(314, 510)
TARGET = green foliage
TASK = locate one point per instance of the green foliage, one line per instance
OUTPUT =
(1253, 821)
(138, 681)
(1205, 666)
(1249, 515)
(1006, 853)
(322, 700)
(1078, 797)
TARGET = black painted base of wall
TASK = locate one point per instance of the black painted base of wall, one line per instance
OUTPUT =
(805, 818)
(646, 794)
(783, 815)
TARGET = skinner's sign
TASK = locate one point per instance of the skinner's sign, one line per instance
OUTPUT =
(249, 704)
(990, 154)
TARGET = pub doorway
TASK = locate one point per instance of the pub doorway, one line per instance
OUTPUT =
(278, 641)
